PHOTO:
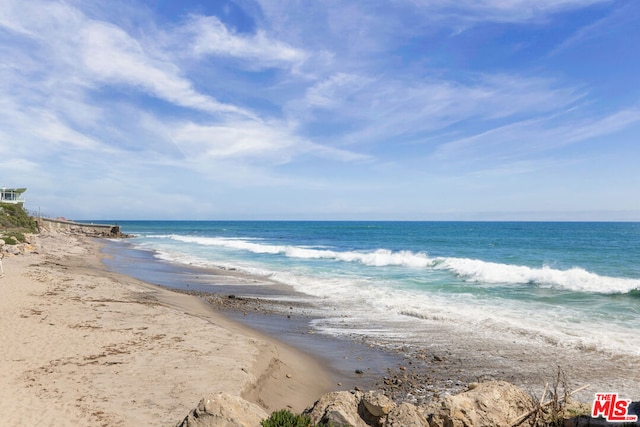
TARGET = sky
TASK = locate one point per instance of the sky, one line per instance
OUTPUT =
(322, 110)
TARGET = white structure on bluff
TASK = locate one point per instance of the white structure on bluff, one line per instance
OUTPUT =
(12, 195)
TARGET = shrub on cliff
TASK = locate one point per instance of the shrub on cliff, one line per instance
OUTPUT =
(15, 217)
(13, 238)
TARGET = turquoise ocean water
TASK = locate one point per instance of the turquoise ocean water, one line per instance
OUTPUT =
(574, 285)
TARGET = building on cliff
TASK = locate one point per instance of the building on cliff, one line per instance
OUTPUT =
(12, 195)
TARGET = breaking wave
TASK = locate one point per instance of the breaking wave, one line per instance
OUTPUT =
(472, 270)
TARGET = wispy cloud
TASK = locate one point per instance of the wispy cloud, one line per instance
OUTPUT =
(499, 10)
(525, 138)
(384, 108)
(617, 18)
(212, 37)
(113, 57)
(331, 97)
(233, 140)
(88, 53)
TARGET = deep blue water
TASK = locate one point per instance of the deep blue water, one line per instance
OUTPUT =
(573, 283)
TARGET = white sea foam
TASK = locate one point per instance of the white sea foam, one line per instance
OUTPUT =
(378, 258)
(404, 316)
(574, 279)
(473, 270)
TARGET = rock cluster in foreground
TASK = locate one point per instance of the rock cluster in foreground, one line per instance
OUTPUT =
(495, 403)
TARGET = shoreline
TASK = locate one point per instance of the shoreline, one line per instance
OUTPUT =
(88, 346)
(447, 362)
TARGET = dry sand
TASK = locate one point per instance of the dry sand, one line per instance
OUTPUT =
(85, 346)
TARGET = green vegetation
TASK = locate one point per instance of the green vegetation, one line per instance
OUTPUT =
(284, 418)
(13, 238)
(15, 220)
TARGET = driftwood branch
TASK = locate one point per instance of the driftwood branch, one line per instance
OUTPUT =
(524, 417)
(544, 394)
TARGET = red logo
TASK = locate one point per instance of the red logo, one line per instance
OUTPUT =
(611, 408)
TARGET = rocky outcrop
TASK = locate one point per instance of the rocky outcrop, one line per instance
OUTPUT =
(495, 403)
(338, 407)
(17, 248)
(406, 415)
(64, 226)
(374, 407)
(377, 404)
(224, 410)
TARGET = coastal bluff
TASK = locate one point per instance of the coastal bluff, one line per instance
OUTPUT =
(52, 227)
(61, 225)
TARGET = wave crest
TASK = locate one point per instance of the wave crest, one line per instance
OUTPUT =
(473, 270)
(574, 279)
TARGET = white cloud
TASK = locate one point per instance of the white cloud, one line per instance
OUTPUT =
(212, 37)
(382, 108)
(130, 103)
(58, 102)
(50, 128)
(251, 142)
(88, 52)
(332, 91)
(233, 140)
(535, 136)
(34, 130)
(619, 18)
(498, 10)
(111, 55)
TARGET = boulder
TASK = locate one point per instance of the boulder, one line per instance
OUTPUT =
(377, 404)
(338, 407)
(495, 403)
(13, 249)
(224, 410)
(406, 415)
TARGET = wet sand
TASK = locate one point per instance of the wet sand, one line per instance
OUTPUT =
(448, 361)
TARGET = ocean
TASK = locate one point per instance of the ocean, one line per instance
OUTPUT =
(568, 285)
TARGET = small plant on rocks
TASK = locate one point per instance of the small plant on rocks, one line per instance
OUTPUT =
(284, 418)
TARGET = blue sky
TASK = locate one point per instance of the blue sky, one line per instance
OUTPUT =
(265, 109)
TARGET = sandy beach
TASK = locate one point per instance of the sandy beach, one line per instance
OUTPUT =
(85, 346)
